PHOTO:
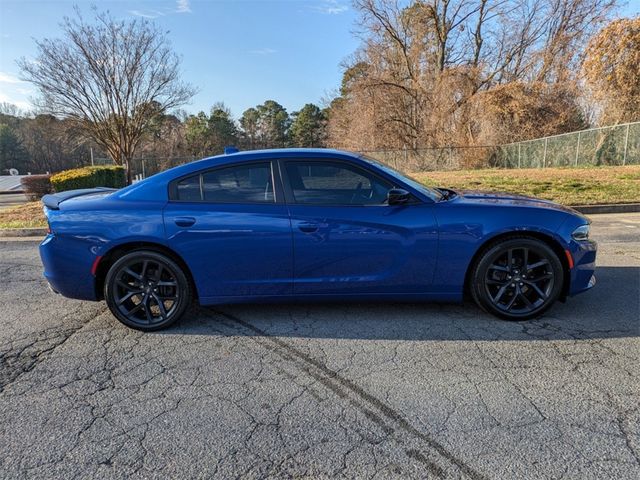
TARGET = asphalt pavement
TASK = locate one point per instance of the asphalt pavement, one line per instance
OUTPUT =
(324, 391)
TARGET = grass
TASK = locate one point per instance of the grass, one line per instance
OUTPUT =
(28, 215)
(569, 186)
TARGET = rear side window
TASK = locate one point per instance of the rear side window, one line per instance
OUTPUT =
(238, 184)
(189, 189)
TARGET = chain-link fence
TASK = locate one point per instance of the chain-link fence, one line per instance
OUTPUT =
(433, 159)
(614, 145)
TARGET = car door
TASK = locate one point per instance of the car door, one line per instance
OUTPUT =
(232, 228)
(347, 240)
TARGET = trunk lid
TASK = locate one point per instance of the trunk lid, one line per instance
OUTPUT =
(53, 200)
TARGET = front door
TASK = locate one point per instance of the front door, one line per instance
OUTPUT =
(347, 240)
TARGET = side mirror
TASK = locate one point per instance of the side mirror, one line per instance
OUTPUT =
(397, 196)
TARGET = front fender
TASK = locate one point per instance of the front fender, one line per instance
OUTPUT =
(465, 229)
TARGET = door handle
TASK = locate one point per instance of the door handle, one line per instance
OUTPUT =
(185, 221)
(308, 227)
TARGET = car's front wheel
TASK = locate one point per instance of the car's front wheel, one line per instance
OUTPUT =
(147, 290)
(517, 278)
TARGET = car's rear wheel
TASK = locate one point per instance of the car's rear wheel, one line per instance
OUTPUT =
(147, 290)
(517, 278)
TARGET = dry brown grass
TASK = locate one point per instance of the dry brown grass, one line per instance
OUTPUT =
(23, 216)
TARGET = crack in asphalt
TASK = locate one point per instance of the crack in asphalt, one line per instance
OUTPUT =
(343, 387)
(18, 360)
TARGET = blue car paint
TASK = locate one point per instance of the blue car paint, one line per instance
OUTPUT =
(364, 250)
(244, 253)
(234, 250)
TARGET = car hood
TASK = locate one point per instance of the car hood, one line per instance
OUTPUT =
(471, 197)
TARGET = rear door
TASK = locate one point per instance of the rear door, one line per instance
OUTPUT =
(231, 226)
(347, 240)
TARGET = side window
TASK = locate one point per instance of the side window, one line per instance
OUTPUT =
(238, 184)
(188, 189)
(335, 183)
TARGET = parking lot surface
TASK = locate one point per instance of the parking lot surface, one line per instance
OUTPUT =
(318, 391)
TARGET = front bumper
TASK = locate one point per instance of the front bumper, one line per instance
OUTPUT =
(582, 275)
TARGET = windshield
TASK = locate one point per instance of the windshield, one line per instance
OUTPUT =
(432, 193)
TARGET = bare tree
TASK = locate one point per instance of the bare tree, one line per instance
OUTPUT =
(611, 69)
(111, 77)
(433, 73)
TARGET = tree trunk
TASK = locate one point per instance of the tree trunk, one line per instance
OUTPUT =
(127, 169)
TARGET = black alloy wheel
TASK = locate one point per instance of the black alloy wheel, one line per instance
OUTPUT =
(517, 278)
(146, 290)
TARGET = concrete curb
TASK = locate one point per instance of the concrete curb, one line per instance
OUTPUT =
(23, 232)
(614, 208)
(12, 233)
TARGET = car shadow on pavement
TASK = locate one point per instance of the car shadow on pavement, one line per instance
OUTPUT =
(611, 309)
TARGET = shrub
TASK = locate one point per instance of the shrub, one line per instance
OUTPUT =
(36, 186)
(89, 177)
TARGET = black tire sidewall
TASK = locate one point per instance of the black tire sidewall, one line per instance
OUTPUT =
(184, 299)
(478, 289)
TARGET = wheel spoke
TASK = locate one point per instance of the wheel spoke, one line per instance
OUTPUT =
(542, 295)
(135, 275)
(546, 276)
(163, 311)
(512, 301)
(159, 273)
(147, 309)
(166, 283)
(135, 309)
(126, 286)
(540, 263)
(510, 258)
(500, 268)
(167, 297)
(500, 293)
(129, 295)
(144, 268)
(525, 300)
(525, 258)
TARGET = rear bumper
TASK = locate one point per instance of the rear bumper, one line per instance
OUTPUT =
(584, 265)
(67, 266)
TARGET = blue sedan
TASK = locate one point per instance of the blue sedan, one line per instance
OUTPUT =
(307, 225)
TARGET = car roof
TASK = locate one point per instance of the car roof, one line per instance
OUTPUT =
(154, 186)
(251, 155)
(285, 152)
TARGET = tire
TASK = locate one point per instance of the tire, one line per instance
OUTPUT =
(147, 290)
(501, 286)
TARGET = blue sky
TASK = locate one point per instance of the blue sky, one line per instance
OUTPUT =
(241, 52)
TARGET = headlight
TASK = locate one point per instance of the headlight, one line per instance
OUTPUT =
(581, 233)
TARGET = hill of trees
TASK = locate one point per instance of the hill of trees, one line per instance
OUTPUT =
(44, 143)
